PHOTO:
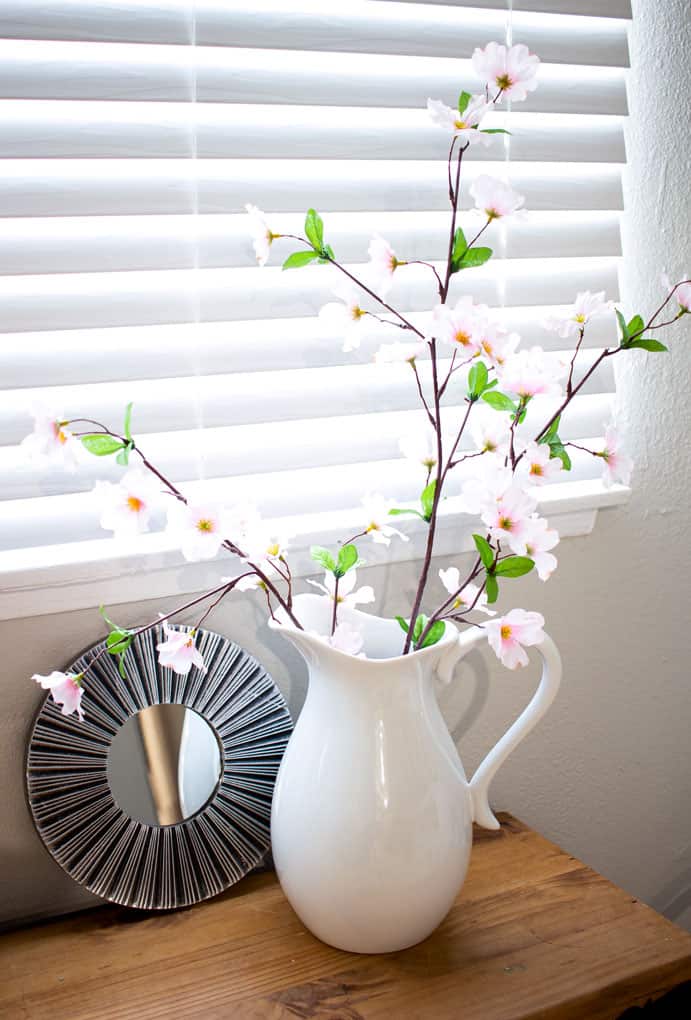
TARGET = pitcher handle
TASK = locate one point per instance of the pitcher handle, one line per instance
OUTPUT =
(529, 717)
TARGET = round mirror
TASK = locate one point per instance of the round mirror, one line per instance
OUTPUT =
(164, 764)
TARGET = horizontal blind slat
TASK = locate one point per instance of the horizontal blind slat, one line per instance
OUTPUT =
(587, 8)
(72, 187)
(67, 301)
(369, 27)
(84, 244)
(100, 129)
(246, 398)
(111, 354)
(31, 69)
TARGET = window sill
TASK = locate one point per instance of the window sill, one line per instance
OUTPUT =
(54, 579)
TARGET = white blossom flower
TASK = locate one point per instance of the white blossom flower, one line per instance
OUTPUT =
(377, 519)
(399, 352)
(618, 466)
(65, 689)
(451, 579)
(495, 198)
(490, 431)
(495, 344)
(682, 294)
(50, 441)
(484, 490)
(508, 634)
(464, 126)
(199, 529)
(459, 327)
(382, 265)
(587, 306)
(346, 317)
(262, 545)
(347, 639)
(128, 505)
(507, 518)
(420, 447)
(262, 235)
(540, 538)
(513, 71)
(178, 651)
(536, 466)
(531, 373)
(348, 595)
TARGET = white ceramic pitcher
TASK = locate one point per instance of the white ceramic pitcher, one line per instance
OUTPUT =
(372, 812)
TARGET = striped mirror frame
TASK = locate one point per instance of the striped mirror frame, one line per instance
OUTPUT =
(125, 860)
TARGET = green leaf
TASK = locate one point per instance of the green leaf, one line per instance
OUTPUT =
(492, 589)
(636, 325)
(397, 511)
(123, 458)
(557, 449)
(477, 379)
(299, 259)
(403, 624)
(121, 667)
(485, 550)
(499, 401)
(475, 257)
(624, 328)
(494, 131)
(347, 558)
(110, 623)
(128, 419)
(323, 557)
(460, 246)
(647, 344)
(514, 566)
(427, 499)
(101, 445)
(327, 250)
(436, 633)
(552, 431)
(118, 641)
(420, 625)
(314, 228)
(463, 101)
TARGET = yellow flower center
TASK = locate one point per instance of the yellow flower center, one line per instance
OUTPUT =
(492, 214)
(356, 312)
(372, 526)
(205, 525)
(536, 469)
(505, 523)
(462, 338)
(135, 504)
(487, 347)
(59, 434)
(503, 81)
(505, 632)
(273, 549)
(460, 125)
(579, 318)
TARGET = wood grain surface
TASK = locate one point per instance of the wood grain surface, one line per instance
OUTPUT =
(534, 934)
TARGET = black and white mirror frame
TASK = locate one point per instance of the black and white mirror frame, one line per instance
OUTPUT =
(125, 860)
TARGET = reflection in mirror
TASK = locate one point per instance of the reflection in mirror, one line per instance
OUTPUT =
(164, 764)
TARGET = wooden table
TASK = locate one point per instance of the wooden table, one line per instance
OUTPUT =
(534, 933)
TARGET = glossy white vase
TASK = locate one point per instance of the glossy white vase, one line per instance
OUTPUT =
(372, 813)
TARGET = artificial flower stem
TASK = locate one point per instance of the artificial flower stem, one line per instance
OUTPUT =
(334, 614)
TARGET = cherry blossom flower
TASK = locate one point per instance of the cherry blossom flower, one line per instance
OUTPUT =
(496, 344)
(348, 595)
(508, 634)
(249, 583)
(459, 327)
(507, 518)
(128, 505)
(377, 518)
(490, 431)
(587, 306)
(262, 235)
(483, 492)
(451, 579)
(495, 198)
(420, 447)
(346, 317)
(178, 652)
(262, 546)
(463, 125)
(382, 265)
(400, 352)
(347, 639)
(540, 538)
(513, 71)
(65, 689)
(200, 530)
(682, 293)
(618, 466)
(536, 466)
(532, 373)
(50, 441)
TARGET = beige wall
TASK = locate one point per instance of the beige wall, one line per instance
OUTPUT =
(608, 773)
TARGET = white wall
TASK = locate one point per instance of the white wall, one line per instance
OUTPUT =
(608, 773)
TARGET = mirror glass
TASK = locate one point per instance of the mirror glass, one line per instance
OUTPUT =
(164, 764)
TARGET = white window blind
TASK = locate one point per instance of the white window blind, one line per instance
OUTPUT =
(132, 133)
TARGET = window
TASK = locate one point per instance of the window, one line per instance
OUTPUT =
(132, 135)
